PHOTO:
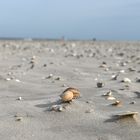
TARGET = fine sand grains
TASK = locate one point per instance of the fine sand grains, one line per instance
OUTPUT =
(57, 90)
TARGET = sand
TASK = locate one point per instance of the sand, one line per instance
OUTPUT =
(34, 73)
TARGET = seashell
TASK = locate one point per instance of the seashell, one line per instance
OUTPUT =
(109, 93)
(76, 92)
(100, 84)
(117, 103)
(17, 80)
(127, 114)
(103, 66)
(111, 98)
(126, 80)
(67, 96)
(122, 71)
(8, 79)
(115, 76)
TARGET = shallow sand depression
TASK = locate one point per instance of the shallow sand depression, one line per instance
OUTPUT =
(33, 74)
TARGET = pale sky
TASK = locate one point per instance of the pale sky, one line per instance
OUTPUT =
(74, 19)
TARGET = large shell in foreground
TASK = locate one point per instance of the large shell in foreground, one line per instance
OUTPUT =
(76, 92)
(67, 96)
(126, 114)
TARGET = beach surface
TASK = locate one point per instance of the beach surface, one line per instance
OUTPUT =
(33, 74)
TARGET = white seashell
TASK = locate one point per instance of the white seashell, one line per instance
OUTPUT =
(56, 108)
(111, 98)
(8, 79)
(122, 71)
(17, 80)
(126, 80)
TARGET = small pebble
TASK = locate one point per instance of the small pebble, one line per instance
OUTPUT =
(89, 111)
(58, 78)
(100, 84)
(19, 118)
(133, 102)
(19, 98)
(138, 80)
(57, 108)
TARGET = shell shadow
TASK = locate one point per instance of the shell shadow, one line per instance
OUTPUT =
(126, 119)
(48, 105)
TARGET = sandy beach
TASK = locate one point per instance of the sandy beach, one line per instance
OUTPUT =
(33, 74)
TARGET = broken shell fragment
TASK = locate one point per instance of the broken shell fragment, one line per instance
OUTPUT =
(115, 76)
(109, 93)
(126, 80)
(126, 114)
(111, 98)
(117, 103)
